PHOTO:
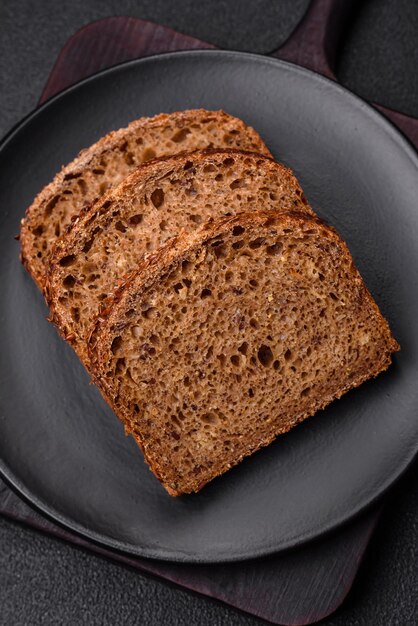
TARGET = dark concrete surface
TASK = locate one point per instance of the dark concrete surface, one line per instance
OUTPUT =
(44, 581)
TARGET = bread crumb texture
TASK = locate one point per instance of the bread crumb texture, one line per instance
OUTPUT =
(107, 162)
(155, 203)
(231, 336)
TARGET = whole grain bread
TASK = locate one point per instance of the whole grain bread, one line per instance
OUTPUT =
(227, 337)
(108, 161)
(151, 205)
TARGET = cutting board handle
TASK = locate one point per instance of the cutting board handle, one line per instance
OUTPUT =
(314, 44)
(99, 45)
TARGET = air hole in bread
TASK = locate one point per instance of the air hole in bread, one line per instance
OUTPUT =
(148, 154)
(69, 281)
(235, 360)
(220, 251)
(257, 243)
(72, 175)
(180, 135)
(254, 323)
(83, 186)
(68, 260)
(136, 219)
(238, 184)
(243, 348)
(120, 226)
(176, 422)
(50, 205)
(120, 365)
(38, 230)
(105, 206)
(209, 418)
(178, 287)
(116, 344)
(265, 355)
(276, 248)
(75, 313)
(157, 198)
(88, 245)
(185, 266)
(196, 219)
(221, 358)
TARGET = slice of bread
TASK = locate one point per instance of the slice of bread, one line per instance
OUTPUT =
(153, 204)
(227, 337)
(110, 160)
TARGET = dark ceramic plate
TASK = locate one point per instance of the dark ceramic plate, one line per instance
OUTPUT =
(62, 447)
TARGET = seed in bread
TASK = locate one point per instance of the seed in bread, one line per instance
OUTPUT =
(230, 336)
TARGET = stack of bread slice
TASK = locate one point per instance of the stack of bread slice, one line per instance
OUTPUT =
(209, 304)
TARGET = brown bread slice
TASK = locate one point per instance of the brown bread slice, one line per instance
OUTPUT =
(110, 160)
(153, 204)
(230, 336)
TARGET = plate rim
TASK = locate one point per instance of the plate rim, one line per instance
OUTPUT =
(165, 554)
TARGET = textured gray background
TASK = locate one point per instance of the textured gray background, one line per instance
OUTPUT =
(44, 581)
